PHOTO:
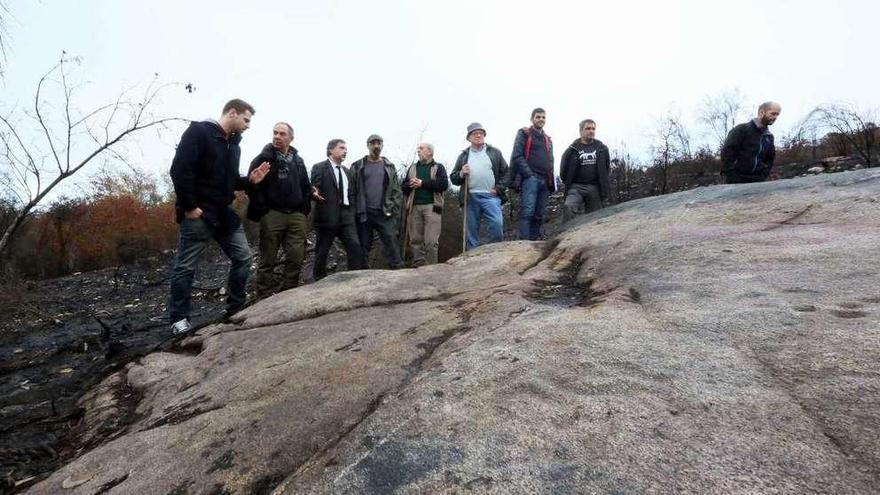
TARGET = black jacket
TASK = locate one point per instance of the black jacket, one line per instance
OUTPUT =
(292, 194)
(522, 168)
(330, 213)
(205, 172)
(748, 153)
(569, 167)
(499, 170)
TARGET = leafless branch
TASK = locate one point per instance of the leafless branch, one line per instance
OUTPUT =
(105, 127)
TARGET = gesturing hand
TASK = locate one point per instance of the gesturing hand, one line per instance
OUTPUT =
(316, 195)
(259, 173)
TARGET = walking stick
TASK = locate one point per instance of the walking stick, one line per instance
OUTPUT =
(464, 216)
(405, 223)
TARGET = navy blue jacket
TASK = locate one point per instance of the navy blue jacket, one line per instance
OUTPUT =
(539, 162)
(205, 172)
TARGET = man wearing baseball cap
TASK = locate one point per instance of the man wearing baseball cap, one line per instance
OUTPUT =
(481, 169)
(378, 198)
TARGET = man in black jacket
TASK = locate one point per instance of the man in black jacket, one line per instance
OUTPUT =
(423, 187)
(281, 203)
(333, 191)
(532, 159)
(205, 176)
(485, 170)
(378, 198)
(585, 169)
(749, 151)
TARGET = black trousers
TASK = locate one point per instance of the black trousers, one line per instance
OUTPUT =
(324, 237)
(387, 229)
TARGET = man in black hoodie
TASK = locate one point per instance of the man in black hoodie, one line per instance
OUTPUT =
(749, 151)
(281, 203)
(205, 176)
(584, 170)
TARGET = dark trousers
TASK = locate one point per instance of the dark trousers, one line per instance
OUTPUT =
(735, 179)
(387, 229)
(324, 241)
(578, 197)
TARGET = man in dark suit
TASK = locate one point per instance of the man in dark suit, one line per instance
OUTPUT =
(332, 190)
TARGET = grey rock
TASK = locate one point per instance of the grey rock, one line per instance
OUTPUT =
(721, 340)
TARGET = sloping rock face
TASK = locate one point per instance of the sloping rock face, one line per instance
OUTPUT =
(723, 340)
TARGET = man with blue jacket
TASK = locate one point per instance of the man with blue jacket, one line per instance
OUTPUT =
(205, 176)
(532, 160)
(749, 151)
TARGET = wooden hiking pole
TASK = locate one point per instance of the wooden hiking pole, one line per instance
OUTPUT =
(405, 223)
(464, 215)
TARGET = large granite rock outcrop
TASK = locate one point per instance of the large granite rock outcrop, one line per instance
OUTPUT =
(720, 340)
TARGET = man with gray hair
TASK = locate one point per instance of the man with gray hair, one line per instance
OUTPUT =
(423, 187)
(281, 204)
(749, 151)
(482, 170)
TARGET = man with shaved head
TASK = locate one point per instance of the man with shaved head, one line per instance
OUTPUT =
(281, 204)
(748, 151)
(423, 186)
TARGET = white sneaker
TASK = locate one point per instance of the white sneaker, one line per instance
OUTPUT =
(181, 327)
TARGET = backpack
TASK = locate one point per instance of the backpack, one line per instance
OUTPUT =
(548, 180)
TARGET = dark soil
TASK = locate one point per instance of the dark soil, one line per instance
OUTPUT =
(60, 337)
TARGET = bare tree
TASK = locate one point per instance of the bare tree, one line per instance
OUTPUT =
(4, 35)
(720, 113)
(53, 141)
(848, 127)
(671, 143)
(623, 166)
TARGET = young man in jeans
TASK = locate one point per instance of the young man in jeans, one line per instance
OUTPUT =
(205, 176)
(485, 170)
(532, 160)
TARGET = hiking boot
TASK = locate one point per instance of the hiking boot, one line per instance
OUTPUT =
(181, 327)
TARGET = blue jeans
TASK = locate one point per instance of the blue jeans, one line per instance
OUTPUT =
(533, 203)
(483, 206)
(194, 238)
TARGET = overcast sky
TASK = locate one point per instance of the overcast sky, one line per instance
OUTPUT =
(405, 69)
